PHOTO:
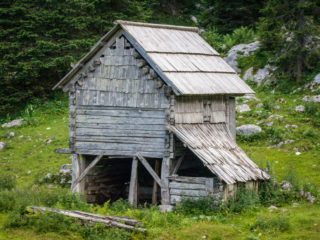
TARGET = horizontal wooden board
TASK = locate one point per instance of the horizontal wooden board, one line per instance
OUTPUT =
(119, 120)
(132, 113)
(119, 133)
(177, 198)
(157, 142)
(151, 127)
(188, 192)
(186, 186)
(120, 153)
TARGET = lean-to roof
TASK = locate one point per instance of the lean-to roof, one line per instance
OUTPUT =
(214, 146)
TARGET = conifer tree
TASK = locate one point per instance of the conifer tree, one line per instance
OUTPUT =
(289, 31)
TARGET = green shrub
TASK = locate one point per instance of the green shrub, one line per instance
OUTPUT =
(202, 206)
(239, 35)
(278, 223)
(212, 36)
(7, 182)
(245, 199)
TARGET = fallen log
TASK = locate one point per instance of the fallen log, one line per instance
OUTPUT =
(126, 223)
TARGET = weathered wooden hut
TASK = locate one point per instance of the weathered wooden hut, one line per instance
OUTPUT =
(155, 105)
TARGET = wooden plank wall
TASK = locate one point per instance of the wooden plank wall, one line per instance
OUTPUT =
(120, 108)
(190, 187)
(200, 109)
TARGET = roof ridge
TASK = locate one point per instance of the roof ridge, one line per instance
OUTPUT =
(153, 25)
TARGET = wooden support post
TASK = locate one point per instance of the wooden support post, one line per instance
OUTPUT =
(75, 172)
(155, 185)
(85, 172)
(165, 168)
(133, 189)
(178, 164)
(149, 168)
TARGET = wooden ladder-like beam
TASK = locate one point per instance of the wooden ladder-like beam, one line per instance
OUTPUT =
(85, 172)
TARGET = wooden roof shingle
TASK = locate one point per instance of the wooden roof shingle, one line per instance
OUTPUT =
(183, 59)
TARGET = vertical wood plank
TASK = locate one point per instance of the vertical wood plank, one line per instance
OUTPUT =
(75, 172)
(155, 185)
(165, 171)
(133, 188)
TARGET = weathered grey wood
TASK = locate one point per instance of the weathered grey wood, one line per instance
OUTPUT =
(149, 168)
(116, 153)
(155, 127)
(108, 222)
(177, 198)
(76, 171)
(84, 173)
(63, 150)
(155, 186)
(188, 192)
(133, 188)
(186, 186)
(165, 171)
(196, 180)
(178, 164)
(232, 117)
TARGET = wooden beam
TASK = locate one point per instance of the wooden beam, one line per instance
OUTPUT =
(149, 168)
(155, 185)
(63, 150)
(174, 171)
(133, 188)
(85, 172)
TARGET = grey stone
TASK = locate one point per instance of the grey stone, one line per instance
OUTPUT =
(10, 135)
(66, 169)
(243, 108)
(290, 126)
(14, 123)
(271, 208)
(48, 176)
(300, 108)
(277, 107)
(305, 99)
(316, 98)
(315, 84)
(311, 198)
(260, 76)
(248, 129)
(285, 185)
(295, 204)
(2, 145)
(29, 172)
(268, 124)
(194, 19)
(275, 116)
(259, 105)
(245, 49)
(165, 208)
(49, 140)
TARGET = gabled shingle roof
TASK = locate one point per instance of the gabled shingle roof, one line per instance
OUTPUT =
(183, 59)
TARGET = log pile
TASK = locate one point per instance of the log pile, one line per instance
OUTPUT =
(126, 223)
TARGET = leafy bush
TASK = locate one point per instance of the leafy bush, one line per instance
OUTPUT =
(278, 223)
(202, 206)
(7, 182)
(212, 36)
(244, 199)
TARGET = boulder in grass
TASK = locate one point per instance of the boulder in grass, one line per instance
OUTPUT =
(66, 169)
(300, 108)
(14, 123)
(243, 108)
(248, 129)
(2, 145)
(244, 49)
